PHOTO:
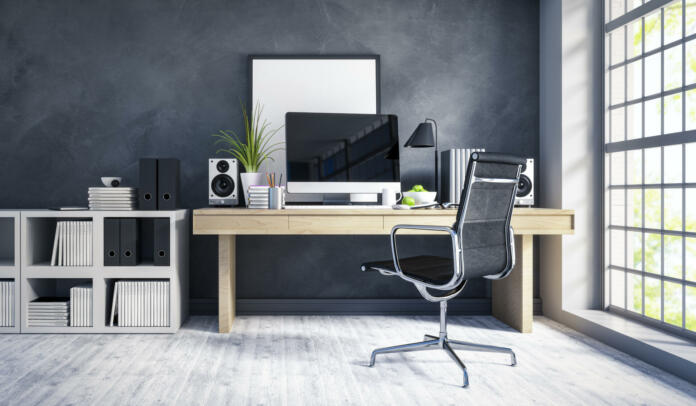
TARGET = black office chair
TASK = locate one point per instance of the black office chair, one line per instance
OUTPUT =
(483, 246)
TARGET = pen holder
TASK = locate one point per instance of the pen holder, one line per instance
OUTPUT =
(275, 198)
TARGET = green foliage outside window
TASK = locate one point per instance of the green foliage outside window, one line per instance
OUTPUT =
(652, 243)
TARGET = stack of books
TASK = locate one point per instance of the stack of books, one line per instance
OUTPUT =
(72, 245)
(258, 197)
(49, 312)
(7, 301)
(140, 304)
(453, 172)
(81, 305)
(112, 198)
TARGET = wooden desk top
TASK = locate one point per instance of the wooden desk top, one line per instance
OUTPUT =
(231, 221)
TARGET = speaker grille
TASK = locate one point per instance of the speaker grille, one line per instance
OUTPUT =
(222, 185)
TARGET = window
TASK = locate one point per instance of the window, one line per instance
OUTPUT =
(650, 161)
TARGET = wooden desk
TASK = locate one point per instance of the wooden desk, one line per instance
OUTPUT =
(511, 297)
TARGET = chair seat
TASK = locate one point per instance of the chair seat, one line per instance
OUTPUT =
(426, 268)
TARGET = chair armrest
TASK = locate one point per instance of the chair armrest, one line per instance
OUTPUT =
(456, 252)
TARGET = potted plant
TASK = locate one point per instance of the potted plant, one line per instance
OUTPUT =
(256, 148)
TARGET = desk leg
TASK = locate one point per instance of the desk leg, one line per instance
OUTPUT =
(513, 296)
(226, 282)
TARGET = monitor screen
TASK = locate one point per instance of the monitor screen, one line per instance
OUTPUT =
(329, 147)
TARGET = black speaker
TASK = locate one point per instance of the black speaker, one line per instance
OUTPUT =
(147, 189)
(223, 182)
(525, 189)
(167, 184)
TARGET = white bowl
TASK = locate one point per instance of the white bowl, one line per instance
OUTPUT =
(422, 197)
(110, 181)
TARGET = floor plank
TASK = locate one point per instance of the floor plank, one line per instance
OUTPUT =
(320, 360)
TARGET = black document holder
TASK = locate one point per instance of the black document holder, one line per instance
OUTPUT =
(147, 188)
(167, 183)
(161, 252)
(130, 254)
(111, 242)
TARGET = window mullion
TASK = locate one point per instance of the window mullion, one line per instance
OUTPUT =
(683, 240)
(642, 251)
(662, 167)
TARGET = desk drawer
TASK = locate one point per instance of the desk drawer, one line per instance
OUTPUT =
(336, 225)
(240, 224)
(391, 221)
(543, 224)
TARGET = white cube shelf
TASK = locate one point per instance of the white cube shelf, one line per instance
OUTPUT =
(10, 260)
(38, 278)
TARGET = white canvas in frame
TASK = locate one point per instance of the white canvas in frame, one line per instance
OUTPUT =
(312, 84)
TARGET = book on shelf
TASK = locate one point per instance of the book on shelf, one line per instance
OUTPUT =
(7, 303)
(81, 305)
(49, 316)
(140, 304)
(49, 312)
(48, 323)
(112, 198)
(72, 244)
(453, 165)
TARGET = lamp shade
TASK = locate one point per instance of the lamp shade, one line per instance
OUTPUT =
(422, 137)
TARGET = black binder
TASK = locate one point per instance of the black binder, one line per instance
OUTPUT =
(147, 189)
(130, 254)
(161, 253)
(111, 242)
(167, 183)
(445, 194)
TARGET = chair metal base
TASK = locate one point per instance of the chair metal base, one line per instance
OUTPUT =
(433, 343)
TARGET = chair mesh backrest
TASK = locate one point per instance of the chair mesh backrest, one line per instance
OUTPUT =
(483, 218)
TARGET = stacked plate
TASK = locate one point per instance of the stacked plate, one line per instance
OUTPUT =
(112, 198)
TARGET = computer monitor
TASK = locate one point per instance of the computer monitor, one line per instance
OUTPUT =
(354, 154)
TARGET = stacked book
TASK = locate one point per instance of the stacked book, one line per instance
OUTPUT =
(72, 245)
(7, 301)
(140, 304)
(49, 312)
(258, 197)
(81, 305)
(112, 198)
(453, 169)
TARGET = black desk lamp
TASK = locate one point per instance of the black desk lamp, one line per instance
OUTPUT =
(423, 137)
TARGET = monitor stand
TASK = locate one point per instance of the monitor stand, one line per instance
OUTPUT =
(343, 199)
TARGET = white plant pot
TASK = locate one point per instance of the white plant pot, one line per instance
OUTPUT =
(252, 179)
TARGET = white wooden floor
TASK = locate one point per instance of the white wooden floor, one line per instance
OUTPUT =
(321, 360)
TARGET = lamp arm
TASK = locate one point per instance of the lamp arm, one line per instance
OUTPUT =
(437, 165)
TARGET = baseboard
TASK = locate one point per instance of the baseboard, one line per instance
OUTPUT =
(465, 306)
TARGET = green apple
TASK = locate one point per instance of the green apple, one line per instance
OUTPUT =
(408, 201)
(417, 188)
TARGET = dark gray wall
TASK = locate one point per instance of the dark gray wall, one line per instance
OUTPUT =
(86, 88)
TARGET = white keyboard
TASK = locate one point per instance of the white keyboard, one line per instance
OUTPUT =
(336, 207)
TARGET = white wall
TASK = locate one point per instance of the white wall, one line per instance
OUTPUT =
(570, 151)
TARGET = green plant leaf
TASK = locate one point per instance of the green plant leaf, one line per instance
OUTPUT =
(258, 136)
